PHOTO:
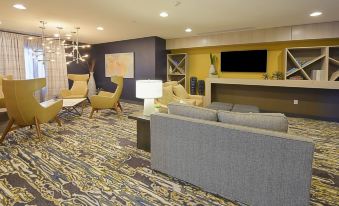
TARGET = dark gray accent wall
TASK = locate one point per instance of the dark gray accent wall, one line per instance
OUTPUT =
(149, 62)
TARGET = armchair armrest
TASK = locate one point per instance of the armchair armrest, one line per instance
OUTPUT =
(49, 110)
(65, 93)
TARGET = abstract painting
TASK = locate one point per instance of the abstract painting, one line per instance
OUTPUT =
(119, 64)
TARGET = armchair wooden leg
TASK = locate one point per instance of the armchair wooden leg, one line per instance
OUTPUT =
(90, 116)
(37, 125)
(58, 121)
(7, 129)
(116, 108)
(120, 107)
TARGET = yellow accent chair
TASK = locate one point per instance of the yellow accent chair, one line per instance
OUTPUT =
(108, 100)
(22, 107)
(175, 92)
(79, 88)
(2, 98)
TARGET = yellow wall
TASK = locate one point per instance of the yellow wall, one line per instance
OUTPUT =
(199, 62)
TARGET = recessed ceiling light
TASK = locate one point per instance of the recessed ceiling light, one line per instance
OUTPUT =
(188, 30)
(99, 28)
(19, 6)
(316, 13)
(164, 14)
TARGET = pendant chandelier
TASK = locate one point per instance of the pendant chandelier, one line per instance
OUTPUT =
(74, 55)
(49, 45)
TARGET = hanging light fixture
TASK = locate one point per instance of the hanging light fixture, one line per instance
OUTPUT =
(75, 54)
(48, 46)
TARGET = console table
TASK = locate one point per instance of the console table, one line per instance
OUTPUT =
(270, 83)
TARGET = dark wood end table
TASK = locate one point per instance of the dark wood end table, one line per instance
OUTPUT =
(143, 130)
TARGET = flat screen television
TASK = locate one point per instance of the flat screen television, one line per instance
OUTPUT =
(244, 61)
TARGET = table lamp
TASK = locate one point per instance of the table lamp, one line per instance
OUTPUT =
(148, 90)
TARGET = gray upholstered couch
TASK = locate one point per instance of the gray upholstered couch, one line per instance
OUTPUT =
(254, 166)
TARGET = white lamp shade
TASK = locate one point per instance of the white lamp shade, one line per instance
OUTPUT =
(148, 89)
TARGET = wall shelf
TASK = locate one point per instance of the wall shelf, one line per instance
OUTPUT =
(177, 68)
(333, 67)
(301, 63)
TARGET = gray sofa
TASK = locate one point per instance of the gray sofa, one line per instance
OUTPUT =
(250, 165)
(233, 107)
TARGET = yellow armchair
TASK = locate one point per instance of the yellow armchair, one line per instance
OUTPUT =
(22, 107)
(175, 92)
(79, 88)
(2, 98)
(108, 100)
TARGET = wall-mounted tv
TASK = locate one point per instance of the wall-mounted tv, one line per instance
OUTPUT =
(244, 61)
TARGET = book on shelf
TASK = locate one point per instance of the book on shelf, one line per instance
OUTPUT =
(291, 71)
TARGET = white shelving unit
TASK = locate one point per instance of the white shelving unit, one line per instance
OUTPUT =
(300, 63)
(177, 68)
(333, 66)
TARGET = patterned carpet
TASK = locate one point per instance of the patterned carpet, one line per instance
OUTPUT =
(95, 162)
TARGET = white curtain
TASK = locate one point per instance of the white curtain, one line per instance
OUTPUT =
(33, 68)
(12, 55)
(56, 73)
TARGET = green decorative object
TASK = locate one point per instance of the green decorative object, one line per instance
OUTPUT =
(266, 76)
(278, 75)
(213, 59)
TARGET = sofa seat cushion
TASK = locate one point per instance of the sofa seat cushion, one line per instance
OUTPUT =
(245, 108)
(192, 111)
(199, 102)
(180, 91)
(269, 121)
(188, 101)
(220, 106)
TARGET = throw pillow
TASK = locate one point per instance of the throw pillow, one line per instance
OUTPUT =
(167, 95)
(192, 111)
(269, 121)
(180, 91)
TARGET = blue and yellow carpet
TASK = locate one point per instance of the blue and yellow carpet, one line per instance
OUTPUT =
(95, 162)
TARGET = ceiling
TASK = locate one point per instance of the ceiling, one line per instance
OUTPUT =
(128, 19)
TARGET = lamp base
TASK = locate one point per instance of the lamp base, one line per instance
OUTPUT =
(149, 107)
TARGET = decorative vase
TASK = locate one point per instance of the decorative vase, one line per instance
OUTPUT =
(91, 85)
(212, 69)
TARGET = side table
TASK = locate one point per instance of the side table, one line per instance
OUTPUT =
(143, 130)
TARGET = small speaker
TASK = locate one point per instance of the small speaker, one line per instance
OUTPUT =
(193, 85)
(201, 87)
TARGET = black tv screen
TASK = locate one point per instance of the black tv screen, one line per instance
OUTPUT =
(244, 61)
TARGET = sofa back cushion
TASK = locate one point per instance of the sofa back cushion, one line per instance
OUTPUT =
(180, 91)
(192, 111)
(167, 95)
(269, 121)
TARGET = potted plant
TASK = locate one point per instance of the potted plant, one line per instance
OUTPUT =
(266, 76)
(278, 75)
(213, 59)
